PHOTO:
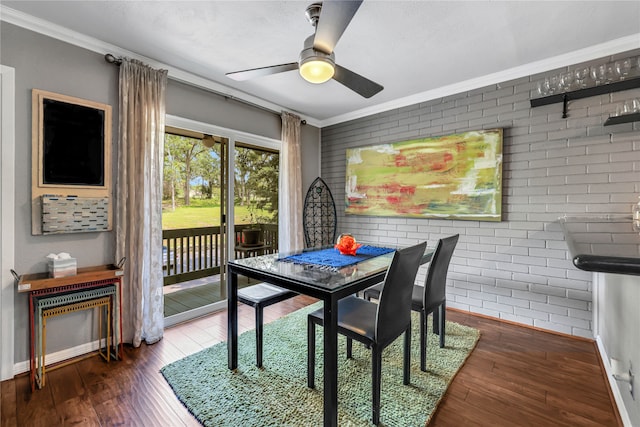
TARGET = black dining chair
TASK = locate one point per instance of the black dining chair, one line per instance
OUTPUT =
(375, 325)
(432, 295)
(259, 296)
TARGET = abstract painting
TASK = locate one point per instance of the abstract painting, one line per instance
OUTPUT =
(451, 177)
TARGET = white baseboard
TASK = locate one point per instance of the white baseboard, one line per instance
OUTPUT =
(624, 415)
(59, 356)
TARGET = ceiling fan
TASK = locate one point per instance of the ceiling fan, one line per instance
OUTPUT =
(317, 60)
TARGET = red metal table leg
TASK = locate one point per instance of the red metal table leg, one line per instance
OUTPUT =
(32, 340)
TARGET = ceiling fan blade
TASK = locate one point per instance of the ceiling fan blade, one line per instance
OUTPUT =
(334, 19)
(262, 71)
(356, 82)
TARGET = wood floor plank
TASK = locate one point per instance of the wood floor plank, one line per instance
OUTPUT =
(119, 412)
(8, 413)
(78, 411)
(515, 376)
(451, 412)
(37, 408)
(65, 384)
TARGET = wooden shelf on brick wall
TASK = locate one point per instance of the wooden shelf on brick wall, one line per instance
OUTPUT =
(565, 97)
(625, 118)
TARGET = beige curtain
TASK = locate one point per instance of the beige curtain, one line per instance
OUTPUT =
(139, 199)
(290, 237)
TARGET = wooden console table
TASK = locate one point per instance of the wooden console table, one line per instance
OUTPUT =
(55, 296)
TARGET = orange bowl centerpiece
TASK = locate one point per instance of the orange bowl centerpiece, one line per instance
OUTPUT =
(347, 244)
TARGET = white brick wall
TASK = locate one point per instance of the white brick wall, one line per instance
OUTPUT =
(518, 269)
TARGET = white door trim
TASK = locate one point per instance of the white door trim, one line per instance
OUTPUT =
(7, 219)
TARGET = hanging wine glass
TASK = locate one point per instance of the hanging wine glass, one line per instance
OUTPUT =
(568, 81)
(623, 68)
(553, 84)
(610, 73)
(598, 73)
(635, 210)
(593, 73)
(564, 82)
(580, 75)
(546, 86)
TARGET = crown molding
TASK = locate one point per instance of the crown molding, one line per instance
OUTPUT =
(572, 58)
(58, 32)
(587, 54)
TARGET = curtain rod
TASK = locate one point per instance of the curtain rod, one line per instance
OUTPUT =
(111, 59)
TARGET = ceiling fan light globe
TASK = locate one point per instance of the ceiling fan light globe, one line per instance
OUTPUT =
(317, 70)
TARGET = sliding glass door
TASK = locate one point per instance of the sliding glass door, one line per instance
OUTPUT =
(192, 221)
(202, 225)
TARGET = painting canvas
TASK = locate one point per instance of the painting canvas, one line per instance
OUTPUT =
(453, 177)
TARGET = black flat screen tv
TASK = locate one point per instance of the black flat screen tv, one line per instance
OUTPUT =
(73, 144)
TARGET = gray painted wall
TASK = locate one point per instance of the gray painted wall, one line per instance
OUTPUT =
(518, 269)
(44, 63)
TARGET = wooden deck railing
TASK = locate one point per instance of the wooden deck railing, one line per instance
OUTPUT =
(193, 253)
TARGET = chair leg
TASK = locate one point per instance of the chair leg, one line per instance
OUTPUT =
(259, 317)
(311, 354)
(442, 310)
(423, 341)
(436, 322)
(349, 348)
(376, 375)
(407, 356)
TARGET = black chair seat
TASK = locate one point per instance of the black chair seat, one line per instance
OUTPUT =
(263, 294)
(356, 318)
(260, 296)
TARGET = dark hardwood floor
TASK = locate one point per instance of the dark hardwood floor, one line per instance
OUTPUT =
(515, 377)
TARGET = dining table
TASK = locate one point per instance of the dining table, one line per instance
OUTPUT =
(328, 284)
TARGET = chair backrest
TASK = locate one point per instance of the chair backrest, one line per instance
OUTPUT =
(435, 287)
(394, 306)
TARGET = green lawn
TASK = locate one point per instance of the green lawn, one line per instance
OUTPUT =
(200, 215)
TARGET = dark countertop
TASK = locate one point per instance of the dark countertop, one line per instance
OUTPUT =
(605, 244)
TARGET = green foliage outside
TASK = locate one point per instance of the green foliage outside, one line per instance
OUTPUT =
(202, 213)
(191, 184)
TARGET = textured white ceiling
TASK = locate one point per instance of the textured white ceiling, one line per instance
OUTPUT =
(412, 48)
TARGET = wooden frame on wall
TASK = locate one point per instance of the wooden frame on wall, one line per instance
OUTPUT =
(70, 155)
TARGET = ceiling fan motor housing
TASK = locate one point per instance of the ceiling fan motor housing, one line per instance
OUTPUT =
(316, 66)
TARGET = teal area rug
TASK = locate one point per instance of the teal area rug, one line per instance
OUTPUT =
(277, 395)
